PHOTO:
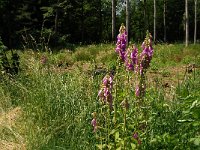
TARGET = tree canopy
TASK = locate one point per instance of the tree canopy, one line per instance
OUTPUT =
(84, 21)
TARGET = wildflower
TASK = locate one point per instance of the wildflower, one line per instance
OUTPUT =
(108, 81)
(129, 66)
(105, 93)
(140, 89)
(137, 91)
(94, 122)
(121, 42)
(131, 59)
(134, 55)
(146, 54)
(136, 137)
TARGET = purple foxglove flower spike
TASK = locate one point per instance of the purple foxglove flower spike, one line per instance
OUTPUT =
(94, 122)
(105, 81)
(147, 53)
(137, 91)
(135, 135)
(105, 94)
(121, 42)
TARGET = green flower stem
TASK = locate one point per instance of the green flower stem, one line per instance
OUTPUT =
(116, 85)
(124, 128)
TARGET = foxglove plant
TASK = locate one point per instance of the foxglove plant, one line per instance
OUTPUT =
(117, 117)
(136, 137)
(131, 58)
(146, 54)
(105, 93)
(121, 42)
(94, 122)
(145, 59)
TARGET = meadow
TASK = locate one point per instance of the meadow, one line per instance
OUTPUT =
(51, 102)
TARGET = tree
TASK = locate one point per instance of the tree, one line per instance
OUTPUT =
(164, 20)
(113, 20)
(154, 27)
(186, 23)
(195, 21)
(145, 15)
(127, 18)
(9, 24)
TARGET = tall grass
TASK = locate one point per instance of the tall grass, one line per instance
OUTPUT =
(56, 107)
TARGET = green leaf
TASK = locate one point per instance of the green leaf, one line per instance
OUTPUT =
(113, 131)
(133, 146)
(196, 140)
(196, 123)
(154, 140)
(194, 104)
(109, 146)
(116, 136)
(119, 148)
(181, 121)
(100, 146)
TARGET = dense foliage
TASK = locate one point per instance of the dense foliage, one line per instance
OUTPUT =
(57, 23)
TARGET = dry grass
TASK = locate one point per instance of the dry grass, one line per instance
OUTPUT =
(10, 117)
(8, 121)
(6, 145)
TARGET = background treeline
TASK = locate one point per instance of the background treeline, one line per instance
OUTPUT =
(60, 22)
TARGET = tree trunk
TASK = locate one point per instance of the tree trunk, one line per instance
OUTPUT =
(154, 28)
(186, 24)
(56, 21)
(127, 19)
(82, 21)
(145, 16)
(145, 19)
(100, 21)
(164, 21)
(56, 18)
(113, 20)
(195, 21)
